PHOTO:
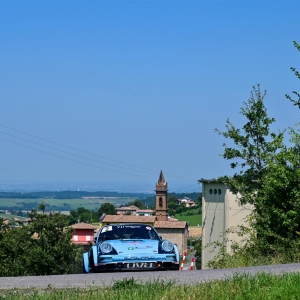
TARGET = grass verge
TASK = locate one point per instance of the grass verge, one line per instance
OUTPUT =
(261, 286)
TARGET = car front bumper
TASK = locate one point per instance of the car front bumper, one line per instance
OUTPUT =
(136, 266)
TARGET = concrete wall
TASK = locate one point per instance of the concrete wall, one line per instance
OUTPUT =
(235, 215)
(220, 211)
(213, 219)
(176, 236)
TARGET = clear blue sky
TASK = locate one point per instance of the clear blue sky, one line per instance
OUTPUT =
(139, 82)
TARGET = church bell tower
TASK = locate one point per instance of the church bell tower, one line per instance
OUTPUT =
(161, 205)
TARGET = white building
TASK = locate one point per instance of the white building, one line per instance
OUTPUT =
(187, 201)
(144, 212)
(220, 211)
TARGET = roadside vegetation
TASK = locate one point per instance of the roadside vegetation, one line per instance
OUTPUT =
(42, 248)
(267, 176)
(260, 287)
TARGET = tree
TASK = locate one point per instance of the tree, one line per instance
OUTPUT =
(138, 203)
(42, 248)
(172, 199)
(297, 74)
(254, 147)
(278, 202)
(268, 177)
(172, 204)
(107, 208)
(199, 202)
(82, 214)
(198, 253)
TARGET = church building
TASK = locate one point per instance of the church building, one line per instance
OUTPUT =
(161, 204)
(170, 229)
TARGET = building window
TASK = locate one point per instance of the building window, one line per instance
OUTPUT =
(87, 238)
(215, 191)
(210, 191)
(160, 201)
(219, 191)
(75, 237)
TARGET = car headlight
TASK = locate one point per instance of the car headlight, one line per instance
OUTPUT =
(167, 246)
(105, 247)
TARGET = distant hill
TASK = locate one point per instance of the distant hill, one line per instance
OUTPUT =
(69, 195)
(56, 204)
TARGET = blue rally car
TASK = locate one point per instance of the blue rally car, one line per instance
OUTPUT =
(130, 247)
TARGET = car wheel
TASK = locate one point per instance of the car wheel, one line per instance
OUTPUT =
(91, 265)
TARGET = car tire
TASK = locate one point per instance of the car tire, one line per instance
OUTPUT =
(91, 264)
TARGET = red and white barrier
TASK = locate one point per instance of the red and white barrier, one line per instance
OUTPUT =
(182, 262)
(192, 264)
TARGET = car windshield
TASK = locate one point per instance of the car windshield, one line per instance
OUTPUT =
(127, 232)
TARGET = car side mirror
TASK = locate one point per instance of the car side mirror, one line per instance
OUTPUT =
(95, 239)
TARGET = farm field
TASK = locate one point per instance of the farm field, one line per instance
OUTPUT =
(193, 220)
(61, 204)
(195, 231)
(5, 216)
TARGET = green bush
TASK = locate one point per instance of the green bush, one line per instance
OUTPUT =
(42, 248)
(252, 251)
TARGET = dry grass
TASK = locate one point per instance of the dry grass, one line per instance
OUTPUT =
(195, 231)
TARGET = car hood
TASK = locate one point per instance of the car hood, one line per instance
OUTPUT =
(135, 246)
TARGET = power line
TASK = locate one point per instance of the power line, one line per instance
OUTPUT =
(82, 163)
(86, 152)
(73, 160)
(66, 152)
(186, 188)
(35, 136)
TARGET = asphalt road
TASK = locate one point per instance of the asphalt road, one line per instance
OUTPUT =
(105, 279)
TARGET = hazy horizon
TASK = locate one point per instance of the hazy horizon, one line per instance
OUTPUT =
(91, 187)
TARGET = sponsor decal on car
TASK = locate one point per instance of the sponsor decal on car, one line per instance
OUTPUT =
(133, 242)
(107, 228)
(128, 226)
